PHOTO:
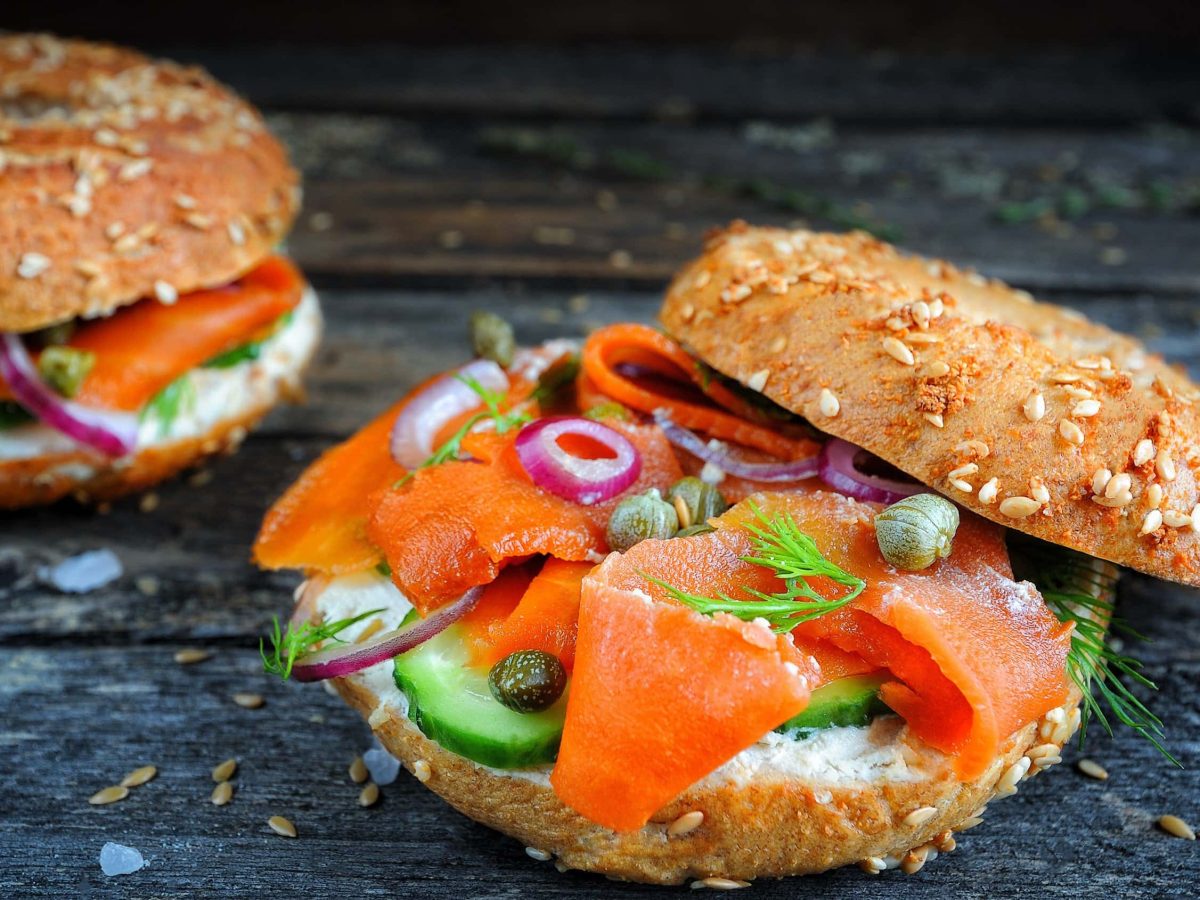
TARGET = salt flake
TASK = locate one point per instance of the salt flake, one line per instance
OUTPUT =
(382, 765)
(83, 573)
(117, 859)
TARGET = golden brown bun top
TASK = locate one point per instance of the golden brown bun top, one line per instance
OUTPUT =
(1023, 412)
(122, 178)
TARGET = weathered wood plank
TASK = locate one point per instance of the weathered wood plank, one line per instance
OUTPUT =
(712, 82)
(77, 719)
(392, 200)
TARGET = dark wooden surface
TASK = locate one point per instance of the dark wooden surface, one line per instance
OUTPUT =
(419, 211)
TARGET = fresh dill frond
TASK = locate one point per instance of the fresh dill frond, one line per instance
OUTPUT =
(1078, 591)
(793, 557)
(287, 646)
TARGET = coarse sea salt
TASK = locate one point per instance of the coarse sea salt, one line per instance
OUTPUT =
(83, 573)
(117, 859)
(384, 767)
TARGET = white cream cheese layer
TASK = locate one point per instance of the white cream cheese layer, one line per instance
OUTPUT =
(833, 756)
(215, 395)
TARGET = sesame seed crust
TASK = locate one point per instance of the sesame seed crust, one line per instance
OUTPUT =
(102, 143)
(1053, 396)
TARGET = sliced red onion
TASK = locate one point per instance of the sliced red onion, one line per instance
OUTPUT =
(840, 463)
(427, 413)
(576, 478)
(112, 433)
(723, 458)
(346, 659)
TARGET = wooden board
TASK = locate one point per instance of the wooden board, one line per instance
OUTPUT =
(88, 686)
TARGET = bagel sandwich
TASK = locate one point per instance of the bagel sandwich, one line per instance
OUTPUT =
(147, 316)
(745, 596)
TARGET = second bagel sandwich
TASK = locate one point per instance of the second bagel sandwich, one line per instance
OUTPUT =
(147, 319)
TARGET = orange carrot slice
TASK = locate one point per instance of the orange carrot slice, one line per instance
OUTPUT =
(608, 347)
(660, 697)
(144, 347)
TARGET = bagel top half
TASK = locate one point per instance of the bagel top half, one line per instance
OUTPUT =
(123, 178)
(1024, 412)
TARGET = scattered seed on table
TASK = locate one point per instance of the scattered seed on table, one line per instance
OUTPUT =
(358, 770)
(224, 771)
(139, 776)
(249, 701)
(1092, 769)
(109, 795)
(539, 855)
(282, 827)
(1175, 826)
(369, 795)
(191, 655)
(222, 793)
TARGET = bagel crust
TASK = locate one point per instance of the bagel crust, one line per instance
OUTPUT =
(1023, 412)
(123, 178)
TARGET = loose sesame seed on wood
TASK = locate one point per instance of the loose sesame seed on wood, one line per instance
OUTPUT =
(1092, 769)
(109, 795)
(190, 656)
(358, 770)
(222, 793)
(225, 770)
(139, 776)
(248, 700)
(369, 795)
(1177, 827)
(282, 826)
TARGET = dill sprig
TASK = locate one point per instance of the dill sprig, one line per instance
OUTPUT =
(793, 557)
(1077, 590)
(287, 645)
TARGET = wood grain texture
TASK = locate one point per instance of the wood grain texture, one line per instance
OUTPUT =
(88, 688)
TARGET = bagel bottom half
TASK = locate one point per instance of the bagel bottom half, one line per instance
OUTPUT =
(760, 820)
(227, 404)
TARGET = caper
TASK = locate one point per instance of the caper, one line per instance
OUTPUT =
(695, 501)
(492, 337)
(65, 368)
(915, 531)
(528, 681)
(692, 530)
(640, 518)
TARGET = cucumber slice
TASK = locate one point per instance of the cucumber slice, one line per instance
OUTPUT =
(846, 701)
(452, 704)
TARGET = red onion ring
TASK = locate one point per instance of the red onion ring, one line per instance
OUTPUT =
(839, 469)
(346, 659)
(429, 411)
(723, 458)
(576, 478)
(112, 433)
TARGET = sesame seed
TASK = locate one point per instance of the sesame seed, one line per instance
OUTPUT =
(1164, 465)
(222, 793)
(132, 171)
(702, 279)
(979, 448)
(820, 277)
(1154, 496)
(1101, 478)
(872, 865)
(369, 795)
(1035, 407)
(422, 771)
(935, 419)
(719, 884)
(969, 823)
(686, 824)
(924, 337)
(987, 493)
(938, 368)
(944, 841)
(139, 776)
(191, 655)
(1117, 485)
(829, 403)
(224, 771)
(1152, 522)
(31, 265)
(1175, 519)
(1092, 769)
(1007, 785)
(281, 826)
(1039, 491)
(936, 307)
(248, 701)
(236, 232)
(106, 137)
(1085, 409)
(1122, 499)
(778, 344)
(758, 380)
(920, 816)
(895, 323)
(1066, 377)
(914, 861)
(1019, 507)
(920, 314)
(898, 350)
(1079, 393)
(109, 795)
(358, 770)
(185, 201)
(1143, 452)
(963, 470)
(165, 292)
(1070, 432)
(539, 855)
(1173, 825)
(199, 221)
(736, 293)
(1196, 518)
